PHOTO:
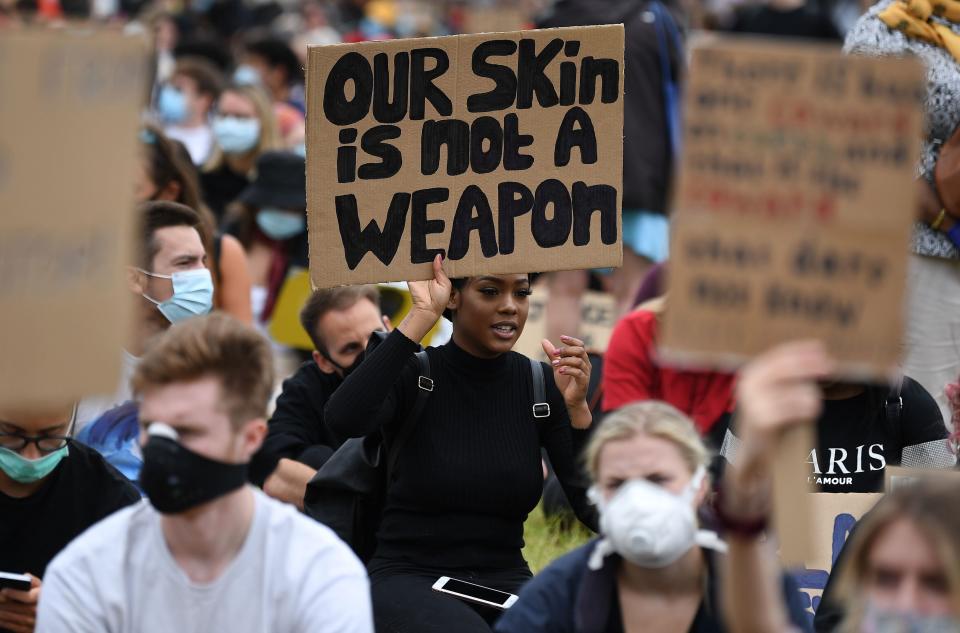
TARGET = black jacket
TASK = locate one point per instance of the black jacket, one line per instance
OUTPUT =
(297, 430)
(568, 597)
(647, 156)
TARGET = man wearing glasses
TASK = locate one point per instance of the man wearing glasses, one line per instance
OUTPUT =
(51, 490)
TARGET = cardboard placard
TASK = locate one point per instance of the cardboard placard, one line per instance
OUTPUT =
(71, 108)
(897, 476)
(833, 515)
(598, 315)
(503, 152)
(795, 203)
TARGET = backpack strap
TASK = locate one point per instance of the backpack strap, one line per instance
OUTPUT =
(893, 406)
(424, 387)
(541, 408)
(893, 411)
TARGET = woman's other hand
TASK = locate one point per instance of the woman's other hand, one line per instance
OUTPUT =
(571, 371)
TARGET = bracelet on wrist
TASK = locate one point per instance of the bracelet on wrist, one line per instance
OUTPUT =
(935, 225)
(742, 527)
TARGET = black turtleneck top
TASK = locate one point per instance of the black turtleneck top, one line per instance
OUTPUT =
(470, 472)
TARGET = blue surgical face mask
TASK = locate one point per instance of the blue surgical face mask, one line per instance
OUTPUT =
(192, 294)
(281, 225)
(300, 149)
(235, 135)
(27, 471)
(172, 105)
(246, 75)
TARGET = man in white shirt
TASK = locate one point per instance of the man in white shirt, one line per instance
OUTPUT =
(207, 552)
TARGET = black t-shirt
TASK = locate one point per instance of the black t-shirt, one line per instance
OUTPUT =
(297, 430)
(859, 437)
(83, 489)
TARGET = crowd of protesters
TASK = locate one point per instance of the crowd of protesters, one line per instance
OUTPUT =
(207, 492)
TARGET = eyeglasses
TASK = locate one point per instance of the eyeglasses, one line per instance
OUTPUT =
(45, 443)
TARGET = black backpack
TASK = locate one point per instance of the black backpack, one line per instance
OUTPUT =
(348, 492)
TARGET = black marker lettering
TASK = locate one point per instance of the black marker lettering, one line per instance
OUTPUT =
(453, 133)
(422, 87)
(551, 232)
(530, 74)
(464, 222)
(373, 143)
(357, 243)
(510, 207)
(586, 200)
(384, 110)
(420, 226)
(336, 107)
(568, 137)
(502, 95)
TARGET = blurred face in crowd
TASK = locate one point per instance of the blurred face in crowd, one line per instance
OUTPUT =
(905, 574)
(489, 313)
(53, 423)
(198, 104)
(345, 334)
(18, 430)
(179, 248)
(234, 104)
(146, 188)
(643, 456)
(273, 79)
(194, 409)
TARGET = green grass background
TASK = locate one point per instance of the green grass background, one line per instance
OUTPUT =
(546, 541)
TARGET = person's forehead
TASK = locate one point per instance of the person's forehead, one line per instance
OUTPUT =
(194, 401)
(178, 240)
(904, 546)
(638, 455)
(181, 80)
(236, 101)
(37, 419)
(503, 280)
(362, 316)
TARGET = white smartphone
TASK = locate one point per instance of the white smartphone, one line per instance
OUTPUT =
(20, 582)
(474, 593)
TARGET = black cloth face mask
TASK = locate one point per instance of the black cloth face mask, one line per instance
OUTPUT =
(344, 371)
(176, 479)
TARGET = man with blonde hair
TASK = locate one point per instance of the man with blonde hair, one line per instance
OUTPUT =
(207, 552)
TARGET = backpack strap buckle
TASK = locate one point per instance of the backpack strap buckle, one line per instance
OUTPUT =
(541, 410)
(425, 383)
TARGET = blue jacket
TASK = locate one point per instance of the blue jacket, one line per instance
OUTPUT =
(567, 597)
(116, 436)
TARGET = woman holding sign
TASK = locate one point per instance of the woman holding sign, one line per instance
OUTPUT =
(470, 470)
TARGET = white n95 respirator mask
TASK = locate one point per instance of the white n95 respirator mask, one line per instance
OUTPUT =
(648, 525)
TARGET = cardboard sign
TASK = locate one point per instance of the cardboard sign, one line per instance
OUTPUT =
(598, 315)
(501, 152)
(834, 515)
(897, 476)
(795, 203)
(70, 106)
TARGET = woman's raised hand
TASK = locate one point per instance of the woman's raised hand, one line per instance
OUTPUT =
(571, 371)
(429, 301)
